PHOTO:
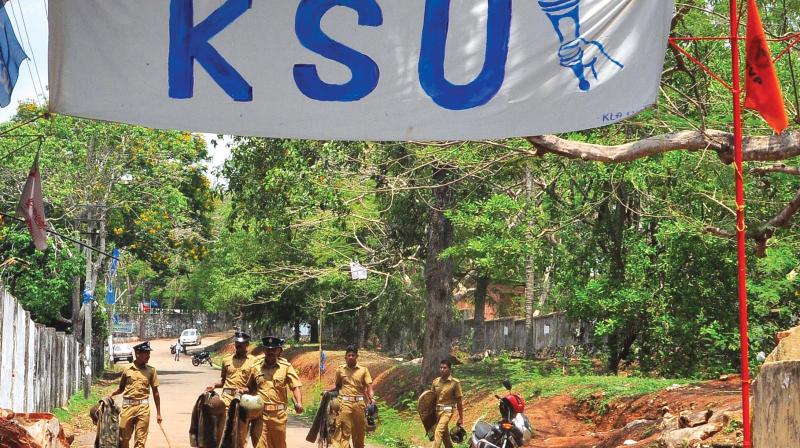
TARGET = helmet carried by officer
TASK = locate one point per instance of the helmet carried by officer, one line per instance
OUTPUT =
(372, 417)
(250, 406)
(458, 434)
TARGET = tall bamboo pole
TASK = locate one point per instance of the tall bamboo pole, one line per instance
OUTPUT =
(740, 226)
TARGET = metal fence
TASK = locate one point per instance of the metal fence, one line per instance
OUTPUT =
(39, 367)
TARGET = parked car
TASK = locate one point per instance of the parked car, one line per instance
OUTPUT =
(122, 351)
(190, 336)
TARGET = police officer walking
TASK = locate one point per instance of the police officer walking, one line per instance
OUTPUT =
(271, 379)
(134, 385)
(447, 391)
(355, 390)
(235, 376)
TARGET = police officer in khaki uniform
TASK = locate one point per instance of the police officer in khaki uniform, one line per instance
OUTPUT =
(355, 390)
(236, 371)
(271, 379)
(135, 385)
(447, 391)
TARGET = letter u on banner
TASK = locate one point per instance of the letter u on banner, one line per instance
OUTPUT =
(432, 55)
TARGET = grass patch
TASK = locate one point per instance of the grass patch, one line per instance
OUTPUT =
(79, 406)
(542, 379)
(396, 429)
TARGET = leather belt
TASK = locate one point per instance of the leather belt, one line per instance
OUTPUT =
(229, 391)
(443, 407)
(351, 397)
(132, 401)
(274, 407)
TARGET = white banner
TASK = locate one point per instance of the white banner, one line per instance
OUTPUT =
(358, 69)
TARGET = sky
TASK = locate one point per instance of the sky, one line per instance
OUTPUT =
(29, 19)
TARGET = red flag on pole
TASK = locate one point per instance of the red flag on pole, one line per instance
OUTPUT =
(763, 93)
(31, 207)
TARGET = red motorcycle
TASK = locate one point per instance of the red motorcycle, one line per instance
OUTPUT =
(512, 431)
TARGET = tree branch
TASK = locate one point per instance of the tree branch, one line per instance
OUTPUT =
(760, 234)
(778, 168)
(756, 148)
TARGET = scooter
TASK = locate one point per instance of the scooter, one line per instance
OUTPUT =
(512, 431)
(201, 357)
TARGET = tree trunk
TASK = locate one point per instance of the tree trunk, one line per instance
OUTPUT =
(438, 280)
(362, 327)
(545, 292)
(619, 343)
(478, 338)
(77, 318)
(296, 331)
(314, 331)
(529, 277)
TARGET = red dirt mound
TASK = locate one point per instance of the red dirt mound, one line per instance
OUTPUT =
(561, 422)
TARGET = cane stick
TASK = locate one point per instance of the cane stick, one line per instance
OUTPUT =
(165, 435)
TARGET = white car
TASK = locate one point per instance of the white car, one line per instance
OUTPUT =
(120, 352)
(190, 336)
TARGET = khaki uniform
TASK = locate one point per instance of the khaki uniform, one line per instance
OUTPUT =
(272, 385)
(237, 376)
(352, 419)
(448, 393)
(135, 418)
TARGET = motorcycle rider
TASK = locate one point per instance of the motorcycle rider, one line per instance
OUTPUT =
(236, 370)
(447, 391)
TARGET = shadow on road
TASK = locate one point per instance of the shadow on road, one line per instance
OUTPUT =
(179, 372)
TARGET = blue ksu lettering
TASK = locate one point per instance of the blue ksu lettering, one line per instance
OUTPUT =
(432, 56)
(365, 72)
(189, 43)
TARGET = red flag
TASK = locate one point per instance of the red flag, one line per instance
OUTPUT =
(763, 93)
(31, 207)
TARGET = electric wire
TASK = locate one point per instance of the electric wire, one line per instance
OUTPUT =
(19, 149)
(30, 71)
(33, 53)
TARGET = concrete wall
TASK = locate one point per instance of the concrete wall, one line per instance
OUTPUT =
(39, 367)
(550, 332)
(167, 323)
(776, 405)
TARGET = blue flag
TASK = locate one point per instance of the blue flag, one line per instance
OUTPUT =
(112, 269)
(112, 273)
(88, 296)
(111, 296)
(11, 56)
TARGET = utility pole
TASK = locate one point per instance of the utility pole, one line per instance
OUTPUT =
(94, 217)
(319, 336)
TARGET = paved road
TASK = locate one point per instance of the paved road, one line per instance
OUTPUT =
(181, 383)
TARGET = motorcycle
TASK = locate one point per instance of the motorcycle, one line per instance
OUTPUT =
(172, 349)
(201, 357)
(512, 431)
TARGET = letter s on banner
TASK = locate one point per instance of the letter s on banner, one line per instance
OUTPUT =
(432, 54)
(188, 43)
(309, 32)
